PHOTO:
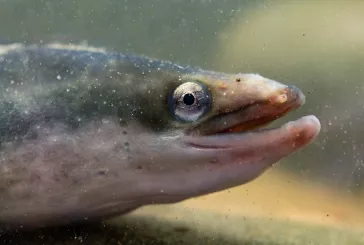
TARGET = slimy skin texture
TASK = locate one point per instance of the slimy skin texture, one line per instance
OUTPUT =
(88, 135)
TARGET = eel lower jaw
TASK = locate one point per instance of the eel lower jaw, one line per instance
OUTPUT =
(296, 133)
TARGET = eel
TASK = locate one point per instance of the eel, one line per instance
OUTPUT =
(87, 134)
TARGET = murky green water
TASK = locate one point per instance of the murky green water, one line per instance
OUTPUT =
(316, 45)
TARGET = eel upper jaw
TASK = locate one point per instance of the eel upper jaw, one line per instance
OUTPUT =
(250, 117)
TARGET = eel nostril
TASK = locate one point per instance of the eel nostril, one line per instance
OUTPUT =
(282, 98)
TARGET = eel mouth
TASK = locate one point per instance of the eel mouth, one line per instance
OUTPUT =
(239, 130)
(254, 116)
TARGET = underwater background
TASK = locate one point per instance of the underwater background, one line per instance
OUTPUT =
(315, 195)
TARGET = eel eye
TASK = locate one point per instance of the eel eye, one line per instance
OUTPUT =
(190, 101)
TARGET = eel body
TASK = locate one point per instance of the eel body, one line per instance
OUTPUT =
(87, 134)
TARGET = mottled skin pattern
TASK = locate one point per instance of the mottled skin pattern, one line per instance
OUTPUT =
(88, 134)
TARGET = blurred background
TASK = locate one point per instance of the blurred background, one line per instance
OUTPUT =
(315, 45)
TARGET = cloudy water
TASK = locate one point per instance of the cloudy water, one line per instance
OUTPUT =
(314, 196)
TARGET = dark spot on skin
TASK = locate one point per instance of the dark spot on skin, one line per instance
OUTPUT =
(101, 172)
(31, 135)
(214, 161)
(139, 167)
(75, 181)
(124, 132)
(34, 177)
(181, 229)
(64, 174)
(238, 80)
(126, 147)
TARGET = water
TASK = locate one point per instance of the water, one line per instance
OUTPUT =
(315, 45)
